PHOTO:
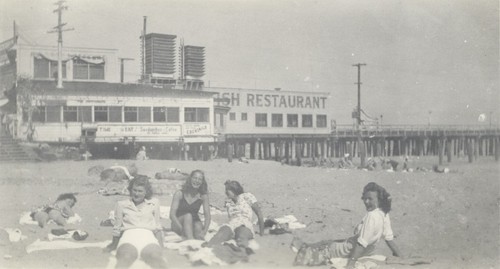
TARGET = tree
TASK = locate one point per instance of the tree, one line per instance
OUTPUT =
(28, 97)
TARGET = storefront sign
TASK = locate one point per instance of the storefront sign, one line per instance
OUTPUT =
(138, 130)
(197, 129)
(274, 100)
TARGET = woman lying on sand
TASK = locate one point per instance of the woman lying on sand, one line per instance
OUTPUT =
(186, 204)
(240, 208)
(375, 225)
(59, 211)
(137, 231)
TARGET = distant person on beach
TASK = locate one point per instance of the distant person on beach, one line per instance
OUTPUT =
(374, 226)
(137, 232)
(240, 208)
(59, 211)
(141, 155)
(186, 204)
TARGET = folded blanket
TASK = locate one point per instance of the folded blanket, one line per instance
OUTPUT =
(63, 244)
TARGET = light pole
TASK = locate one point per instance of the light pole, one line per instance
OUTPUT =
(381, 119)
(429, 120)
(490, 118)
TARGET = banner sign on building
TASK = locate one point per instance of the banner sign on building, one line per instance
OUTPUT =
(138, 130)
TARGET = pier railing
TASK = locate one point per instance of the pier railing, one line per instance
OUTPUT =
(416, 130)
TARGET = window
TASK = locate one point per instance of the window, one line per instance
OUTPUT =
(232, 116)
(115, 114)
(53, 113)
(85, 114)
(321, 121)
(307, 120)
(100, 113)
(45, 68)
(159, 114)
(70, 114)
(144, 114)
(38, 114)
(244, 116)
(130, 114)
(292, 120)
(277, 120)
(261, 119)
(172, 114)
(196, 114)
(85, 70)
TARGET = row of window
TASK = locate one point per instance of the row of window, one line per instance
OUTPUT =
(116, 113)
(292, 120)
(45, 68)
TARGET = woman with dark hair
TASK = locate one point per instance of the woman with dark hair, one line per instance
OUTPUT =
(240, 208)
(137, 232)
(375, 225)
(186, 204)
(59, 211)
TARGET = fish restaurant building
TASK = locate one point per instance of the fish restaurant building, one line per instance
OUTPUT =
(271, 123)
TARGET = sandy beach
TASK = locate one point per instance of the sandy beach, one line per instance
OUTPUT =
(450, 218)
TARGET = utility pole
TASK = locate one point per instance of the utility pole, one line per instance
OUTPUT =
(59, 30)
(122, 67)
(361, 145)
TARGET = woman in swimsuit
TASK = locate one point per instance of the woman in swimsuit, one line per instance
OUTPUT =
(59, 211)
(186, 205)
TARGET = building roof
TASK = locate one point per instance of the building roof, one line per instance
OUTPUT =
(116, 89)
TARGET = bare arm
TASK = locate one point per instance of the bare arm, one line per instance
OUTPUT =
(159, 229)
(206, 213)
(173, 208)
(258, 212)
(394, 248)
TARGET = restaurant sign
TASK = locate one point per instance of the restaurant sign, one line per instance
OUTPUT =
(196, 129)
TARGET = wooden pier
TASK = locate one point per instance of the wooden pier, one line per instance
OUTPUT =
(389, 140)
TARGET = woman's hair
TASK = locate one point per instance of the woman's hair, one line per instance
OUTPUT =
(143, 181)
(234, 186)
(65, 196)
(203, 189)
(384, 198)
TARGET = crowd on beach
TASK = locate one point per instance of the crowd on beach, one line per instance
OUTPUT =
(138, 233)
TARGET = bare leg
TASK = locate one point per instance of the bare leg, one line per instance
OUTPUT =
(42, 218)
(198, 230)
(242, 236)
(225, 233)
(126, 255)
(57, 217)
(153, 256)
(187, 226)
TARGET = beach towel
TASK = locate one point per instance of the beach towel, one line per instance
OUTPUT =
(63, 234)
(39, 245)
(408, 260)
(26, 219)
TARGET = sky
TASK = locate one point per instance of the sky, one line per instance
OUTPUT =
(426, 60)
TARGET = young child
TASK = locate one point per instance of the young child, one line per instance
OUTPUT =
(374, 226)
(59, 211)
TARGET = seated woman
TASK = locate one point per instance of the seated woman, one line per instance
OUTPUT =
(375, 225)
(59, 211)
(240, 208)
(137, 231)
(186, 204)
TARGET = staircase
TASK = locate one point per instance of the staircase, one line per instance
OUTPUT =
(10, 149)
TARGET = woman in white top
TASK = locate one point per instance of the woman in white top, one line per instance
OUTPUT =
(374, 226)
(240, 208)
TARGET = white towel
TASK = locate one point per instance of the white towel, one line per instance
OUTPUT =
(63, 244)
(362, 263)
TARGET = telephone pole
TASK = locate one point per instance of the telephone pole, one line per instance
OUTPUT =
(59, 29)
(361, 145)
(359, 93)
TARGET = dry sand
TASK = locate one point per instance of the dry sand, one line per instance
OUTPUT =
(451, 218)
